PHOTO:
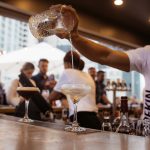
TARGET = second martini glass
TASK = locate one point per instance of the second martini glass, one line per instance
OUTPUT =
(75, 92)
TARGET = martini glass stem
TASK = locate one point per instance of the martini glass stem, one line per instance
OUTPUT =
(75, 121)
(26, 109)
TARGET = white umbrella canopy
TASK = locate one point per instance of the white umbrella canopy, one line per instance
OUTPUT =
(33, 54)
(11, 63)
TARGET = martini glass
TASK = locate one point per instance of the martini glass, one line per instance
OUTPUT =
(26, 92)
(75, 92)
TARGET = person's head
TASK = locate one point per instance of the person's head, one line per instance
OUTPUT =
(28, 69)
(82, 64)
(100, 76)
(43, 65)
(68, 60)
(92, 72)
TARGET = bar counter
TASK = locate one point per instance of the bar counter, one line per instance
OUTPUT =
(50, 136)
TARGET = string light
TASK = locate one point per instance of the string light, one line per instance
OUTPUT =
(118, 2)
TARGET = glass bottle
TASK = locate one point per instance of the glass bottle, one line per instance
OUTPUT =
(124, 123)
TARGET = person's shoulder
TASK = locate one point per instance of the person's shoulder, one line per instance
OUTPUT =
(70, 71)
(140, 49)
(15, 82)
(145, 48)
(87, 75)
(67, 73)
(142, 52)
(35, 77)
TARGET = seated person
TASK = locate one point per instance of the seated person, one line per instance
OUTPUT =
(101, 98)
(87, 109)
(18, 101)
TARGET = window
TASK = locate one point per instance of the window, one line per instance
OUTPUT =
(1, 46)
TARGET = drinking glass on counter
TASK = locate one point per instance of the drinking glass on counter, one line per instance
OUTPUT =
(75, 92)
(132, 125)
(143, 128)
(124, 121)
(26, 92)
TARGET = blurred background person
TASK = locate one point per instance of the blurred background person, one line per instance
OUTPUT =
(101, 97)
(18, 101)
(41, 79)
(87, 109)
(92, 72)
(82, 64)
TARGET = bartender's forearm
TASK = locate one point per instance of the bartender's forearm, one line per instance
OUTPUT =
(100, 54)
(55, 96)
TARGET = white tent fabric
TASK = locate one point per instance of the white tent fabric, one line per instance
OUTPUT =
(11, 63)
(33, 54)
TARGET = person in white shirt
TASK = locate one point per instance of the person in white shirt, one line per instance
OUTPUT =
(136, 59)
(87, 109)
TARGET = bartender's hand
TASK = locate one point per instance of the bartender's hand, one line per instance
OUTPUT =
(69, 16)
(93, 51)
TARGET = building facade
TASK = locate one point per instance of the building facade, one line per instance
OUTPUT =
(14, 34)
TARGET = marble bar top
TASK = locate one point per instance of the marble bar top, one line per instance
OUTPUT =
(51, 136)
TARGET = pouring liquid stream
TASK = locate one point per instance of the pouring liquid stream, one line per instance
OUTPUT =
(75, 98)
(69, 30)
(71, 50)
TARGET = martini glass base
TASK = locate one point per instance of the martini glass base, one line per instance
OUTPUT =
(26, 120)
(75, 128)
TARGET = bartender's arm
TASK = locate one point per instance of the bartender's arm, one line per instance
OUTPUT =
(94, 51)
(100, 54)
(54, 95)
